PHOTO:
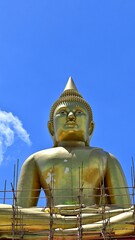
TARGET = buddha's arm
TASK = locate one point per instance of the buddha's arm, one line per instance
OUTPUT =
(116, 183)
(28, 188)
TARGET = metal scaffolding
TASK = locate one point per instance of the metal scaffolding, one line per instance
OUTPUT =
(20, 229)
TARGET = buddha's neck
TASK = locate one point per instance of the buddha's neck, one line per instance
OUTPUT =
(71, 144)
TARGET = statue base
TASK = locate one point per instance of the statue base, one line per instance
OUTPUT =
(91, 223)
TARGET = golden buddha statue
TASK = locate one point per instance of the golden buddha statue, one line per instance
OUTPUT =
(79, 181)
(71, 126)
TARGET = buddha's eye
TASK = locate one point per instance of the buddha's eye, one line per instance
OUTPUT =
(78, 112)
(63, 112)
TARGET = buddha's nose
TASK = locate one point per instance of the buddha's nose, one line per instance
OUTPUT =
(71, 116)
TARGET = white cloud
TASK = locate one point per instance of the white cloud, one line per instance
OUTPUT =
(10, 127)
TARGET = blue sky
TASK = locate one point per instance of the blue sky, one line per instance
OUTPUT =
(44, 42)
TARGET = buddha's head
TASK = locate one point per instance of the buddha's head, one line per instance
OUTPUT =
(71, 118)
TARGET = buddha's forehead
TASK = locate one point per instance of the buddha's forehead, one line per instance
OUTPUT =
(70, 106)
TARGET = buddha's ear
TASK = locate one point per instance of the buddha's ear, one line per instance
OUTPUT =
(50, 127)
(91, 128)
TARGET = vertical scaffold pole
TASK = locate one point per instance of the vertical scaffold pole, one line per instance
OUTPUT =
(5, 189)
(13, 212)
(17, 167)
(51, 188)
(14, 204)
(80, 198)
(103, 205)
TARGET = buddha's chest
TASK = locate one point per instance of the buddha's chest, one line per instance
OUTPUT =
(72, 169)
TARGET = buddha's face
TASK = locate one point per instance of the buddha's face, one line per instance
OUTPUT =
(71, 122)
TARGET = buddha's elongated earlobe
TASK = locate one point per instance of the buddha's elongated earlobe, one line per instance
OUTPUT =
(51, 131)
(51, 128)
(91, 128)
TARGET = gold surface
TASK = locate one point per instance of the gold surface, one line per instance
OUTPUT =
(59, 168)
(72, 173)
(70, 85)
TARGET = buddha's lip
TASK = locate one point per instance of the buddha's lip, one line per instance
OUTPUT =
(72, 124)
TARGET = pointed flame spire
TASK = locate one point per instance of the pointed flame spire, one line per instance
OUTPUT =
(70, 89)
(70, 85)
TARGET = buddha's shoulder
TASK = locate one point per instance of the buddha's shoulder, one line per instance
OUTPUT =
(49, 153)
(96, 151)
(104, 155)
